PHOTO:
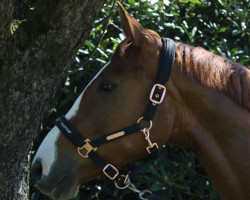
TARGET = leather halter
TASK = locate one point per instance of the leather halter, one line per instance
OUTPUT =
(87, 148)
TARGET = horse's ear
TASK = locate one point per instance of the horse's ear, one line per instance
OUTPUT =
(133, 29)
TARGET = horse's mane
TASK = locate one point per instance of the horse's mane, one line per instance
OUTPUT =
(231, 79)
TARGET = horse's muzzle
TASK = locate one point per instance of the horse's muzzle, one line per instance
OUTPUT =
(56, 186)
(37, 169)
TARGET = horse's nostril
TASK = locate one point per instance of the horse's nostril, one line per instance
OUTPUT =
(37, 169)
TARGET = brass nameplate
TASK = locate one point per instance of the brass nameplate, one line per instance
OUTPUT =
(116, 135)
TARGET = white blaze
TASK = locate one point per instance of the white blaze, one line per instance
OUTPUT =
(47, 152)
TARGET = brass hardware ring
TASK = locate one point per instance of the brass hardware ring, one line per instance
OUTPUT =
(126, 182)
(150, 123)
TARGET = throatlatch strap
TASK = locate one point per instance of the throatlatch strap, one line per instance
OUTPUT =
(165, 67)
(167, 60)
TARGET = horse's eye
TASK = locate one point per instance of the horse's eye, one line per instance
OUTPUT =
(108, 87)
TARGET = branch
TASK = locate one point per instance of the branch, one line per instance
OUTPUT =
(106, 19)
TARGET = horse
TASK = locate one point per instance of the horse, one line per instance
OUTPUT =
(206, 109)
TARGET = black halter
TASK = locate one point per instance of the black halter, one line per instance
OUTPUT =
(87, 148)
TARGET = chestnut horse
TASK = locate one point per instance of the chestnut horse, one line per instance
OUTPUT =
(206, 109)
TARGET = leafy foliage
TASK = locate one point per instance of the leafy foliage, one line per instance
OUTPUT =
(221, 26)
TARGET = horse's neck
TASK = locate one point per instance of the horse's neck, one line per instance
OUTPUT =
(217, 129)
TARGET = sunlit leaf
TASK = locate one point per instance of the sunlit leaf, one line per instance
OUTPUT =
(223, 29)
(89, 45)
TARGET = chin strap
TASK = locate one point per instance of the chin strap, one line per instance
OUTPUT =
(87, 148)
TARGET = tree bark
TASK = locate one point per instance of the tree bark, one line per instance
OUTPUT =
(34, 59)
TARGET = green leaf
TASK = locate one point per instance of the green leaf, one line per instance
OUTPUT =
(192, 1)
(157, 186)
(183, 187)
(89, 45)
(195, 1)
(102, 52)
(223, 29)
(132, 2)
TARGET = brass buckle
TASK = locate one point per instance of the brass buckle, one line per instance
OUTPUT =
(87, 147)
(152, 93)
(107, 166)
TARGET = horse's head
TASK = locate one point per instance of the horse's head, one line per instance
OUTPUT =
(116, 97)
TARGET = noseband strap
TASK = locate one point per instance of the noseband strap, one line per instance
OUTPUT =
(87, 148)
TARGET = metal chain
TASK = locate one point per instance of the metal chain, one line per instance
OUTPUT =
(131, 186)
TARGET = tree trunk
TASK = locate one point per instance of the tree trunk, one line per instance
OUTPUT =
(34, 59)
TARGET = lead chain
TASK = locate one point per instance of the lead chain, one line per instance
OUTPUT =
(141, 193)
(131, 186)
